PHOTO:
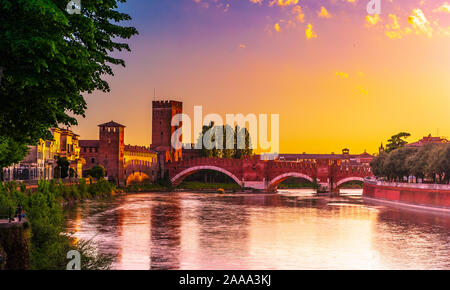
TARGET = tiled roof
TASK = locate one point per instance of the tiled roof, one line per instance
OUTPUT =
(111, 124)
(427, 140)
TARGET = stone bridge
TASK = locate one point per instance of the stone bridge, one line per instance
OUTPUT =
(267, 175)
(139, 171)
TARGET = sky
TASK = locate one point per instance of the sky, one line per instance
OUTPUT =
(337, 77)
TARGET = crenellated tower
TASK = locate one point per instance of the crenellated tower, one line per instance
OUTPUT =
(112, 150)
(162, 129)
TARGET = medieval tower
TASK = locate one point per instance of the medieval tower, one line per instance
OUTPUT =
(162, 129)
(112, 149)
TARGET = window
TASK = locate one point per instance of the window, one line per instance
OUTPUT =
(93, 160)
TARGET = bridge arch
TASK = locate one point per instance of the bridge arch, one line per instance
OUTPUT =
(348, 179)
(177, 179)
(279, 179)
(137, 177)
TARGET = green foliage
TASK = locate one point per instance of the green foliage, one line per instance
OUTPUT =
(72, 172)
(145, 187)
(97, 172)
(397, 141)
(431, 161)
(49, 58)
(377, 164)
(62, 167)
(11, 152)
(101, 188)
(49, 246)
(292, 183)
(396, 164)
(165, 182)
(225, 141)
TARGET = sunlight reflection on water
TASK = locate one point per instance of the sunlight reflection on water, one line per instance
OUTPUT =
(289, 230)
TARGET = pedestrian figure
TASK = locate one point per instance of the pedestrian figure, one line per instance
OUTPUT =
(19, 212)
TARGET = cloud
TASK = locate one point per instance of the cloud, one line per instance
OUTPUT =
(277, 27)
(310, 32)
(445, 8)
(372, 19)
(362, 90)
(394, 30)
(202, 4)
(283, 3)
(323, 13)
(420, 23)
(342, 75)
(298, 12)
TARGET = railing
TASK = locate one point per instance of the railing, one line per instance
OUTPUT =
(408, 185)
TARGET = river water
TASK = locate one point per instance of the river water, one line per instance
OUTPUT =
(288, 230)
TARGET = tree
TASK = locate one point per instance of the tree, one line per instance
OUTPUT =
(231, 140)
(72, 172)
(62, 167)
(419, 163)
(11, 152)
(377, 165)
(97, 172)
(395, 164)
(444, 163)
(247, 150)
(434, 166)
(50, 58)
(397, 141)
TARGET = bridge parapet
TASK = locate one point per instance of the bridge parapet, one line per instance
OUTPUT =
(264, 174)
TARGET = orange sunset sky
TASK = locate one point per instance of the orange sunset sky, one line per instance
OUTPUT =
(336, 76)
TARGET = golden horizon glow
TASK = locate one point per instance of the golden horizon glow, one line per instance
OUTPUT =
(350, 80)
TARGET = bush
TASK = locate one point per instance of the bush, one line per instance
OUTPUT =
(49, 245)
(97, 172)
(430, 161)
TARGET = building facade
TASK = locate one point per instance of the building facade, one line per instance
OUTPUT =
(123, 163)
(341, 159)
(427, 140)
(162, 130)
(40, 162)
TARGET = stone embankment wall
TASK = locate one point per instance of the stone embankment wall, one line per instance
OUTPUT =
(14, 245)
(431, 195)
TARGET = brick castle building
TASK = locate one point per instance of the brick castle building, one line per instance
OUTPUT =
(162, 129)
(123, 163)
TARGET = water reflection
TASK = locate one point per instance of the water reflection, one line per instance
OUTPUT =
(292, 230)
(165, 233)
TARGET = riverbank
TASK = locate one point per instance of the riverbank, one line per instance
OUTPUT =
(426, 197)
(48, 241)
(202, 187)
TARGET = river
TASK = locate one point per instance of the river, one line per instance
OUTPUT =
(288, 230)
